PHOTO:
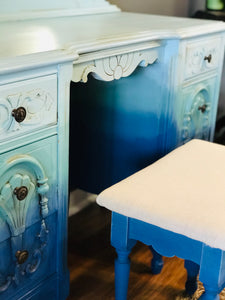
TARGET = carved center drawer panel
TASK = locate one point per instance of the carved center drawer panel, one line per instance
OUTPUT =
(197, 111)
(28, 193)
(27, 105)
(202, 56)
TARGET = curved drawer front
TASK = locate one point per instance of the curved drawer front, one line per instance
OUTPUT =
(27, 106)
(28, 259)
(196, 119)
(202, 56)
(28, 218)
(28, 180)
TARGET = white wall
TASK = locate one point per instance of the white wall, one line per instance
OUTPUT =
(162, 7)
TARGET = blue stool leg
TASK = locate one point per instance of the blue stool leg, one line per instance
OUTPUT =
(211, 272)
(210, 295)
(123, 245)
(157, 261)
(192, 273)
(122, 270)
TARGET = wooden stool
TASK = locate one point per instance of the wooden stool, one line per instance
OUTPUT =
(177, 206)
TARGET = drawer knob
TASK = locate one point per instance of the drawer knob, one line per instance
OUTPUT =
(202, 108)
(19, 114)
(22, 256)
(208, 58)
(21, 192)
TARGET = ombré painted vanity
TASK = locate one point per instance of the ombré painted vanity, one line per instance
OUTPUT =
(168, 68)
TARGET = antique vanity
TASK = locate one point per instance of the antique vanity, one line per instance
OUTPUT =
(173, 64)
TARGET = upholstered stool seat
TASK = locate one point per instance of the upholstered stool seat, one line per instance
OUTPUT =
(176, 205)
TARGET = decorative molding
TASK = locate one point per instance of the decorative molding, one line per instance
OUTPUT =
(14, 211)
(40, 110)
(34, 261)
(42, 190)
(114, 67)
(37, 254)
(190, 120)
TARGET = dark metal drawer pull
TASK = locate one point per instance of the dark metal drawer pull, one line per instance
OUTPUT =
(21, 192)
(19, 114)
(202, 108)
(22, 256)
(208, 58)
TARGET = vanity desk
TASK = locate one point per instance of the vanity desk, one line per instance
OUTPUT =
(173, 65)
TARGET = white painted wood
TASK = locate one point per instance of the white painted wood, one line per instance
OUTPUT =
(22, 9)
(33, 62)
(95, 32)
(198, 83)
(37, 96)
(36, 63)
(114, 67)
(197, 53)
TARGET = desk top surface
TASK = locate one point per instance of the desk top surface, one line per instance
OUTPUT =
(83, 34)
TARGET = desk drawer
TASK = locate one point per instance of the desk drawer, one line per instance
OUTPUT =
(32, 167)
(27, 106)
(28, 260)
(28, 215)
(198, 108)
(202, 56)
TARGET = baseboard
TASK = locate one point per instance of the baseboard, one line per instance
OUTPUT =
(79, 199)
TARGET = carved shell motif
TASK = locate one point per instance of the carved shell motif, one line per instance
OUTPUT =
(13, 210)
(37, 103)
(114, 67)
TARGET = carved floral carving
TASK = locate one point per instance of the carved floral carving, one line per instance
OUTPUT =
(39, 106)
(196, 61)
(114, 67)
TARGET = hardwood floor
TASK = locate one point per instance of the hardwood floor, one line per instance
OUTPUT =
(91, 258)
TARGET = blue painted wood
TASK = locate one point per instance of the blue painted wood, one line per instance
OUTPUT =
(123, 247)
(198, 256)
(122, 269)
(212, 270)
(120, 126)
(31, 224)
(123, 126)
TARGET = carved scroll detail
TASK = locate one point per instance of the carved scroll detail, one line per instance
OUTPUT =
(39, 106)
(195, 57)
(34, 262)
(14, 211)
(114, 67)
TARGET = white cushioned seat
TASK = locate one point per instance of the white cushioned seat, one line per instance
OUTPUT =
(183, 192)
